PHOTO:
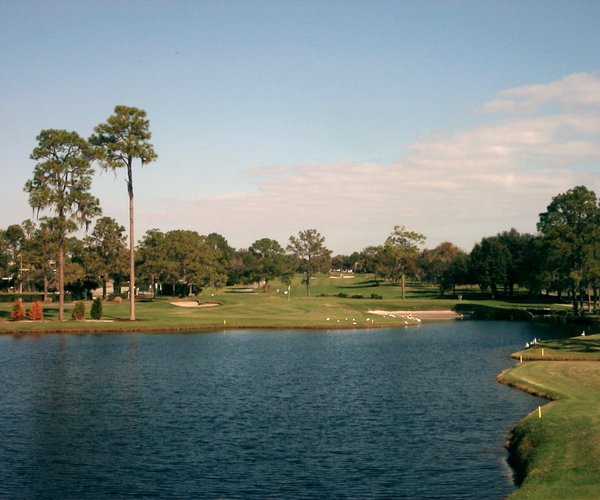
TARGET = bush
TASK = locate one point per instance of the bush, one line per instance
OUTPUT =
(18, 311)
(78, 311)
(36, 313)
(376, 296)
(358, 296)
(96, 311)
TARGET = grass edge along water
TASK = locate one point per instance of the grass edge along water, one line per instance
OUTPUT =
(555, 450)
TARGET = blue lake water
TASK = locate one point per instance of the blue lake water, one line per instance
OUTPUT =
(386, 413)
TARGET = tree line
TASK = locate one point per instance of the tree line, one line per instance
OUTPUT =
(43, 255)
(561, 258)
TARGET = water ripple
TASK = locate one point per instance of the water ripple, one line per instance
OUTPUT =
(368, 414)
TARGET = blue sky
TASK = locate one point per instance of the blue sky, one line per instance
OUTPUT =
(457, 119)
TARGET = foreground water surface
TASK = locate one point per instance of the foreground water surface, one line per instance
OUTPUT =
(390, 413)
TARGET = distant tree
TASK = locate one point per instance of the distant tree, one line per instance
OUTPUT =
(570, 228)
(190, 260)
(519, 266)
(369, 262)
(40, 252)
(108, 243)
(489, 262)
(27, 270)
(81, 269)
(122, 139)
(4, 259)
(346, 263)
(313, 257)
(152, 253)
(456, 272)
(225, 255)
(15, 237)
(436, 263)
(537, 272)
(61, 182)
(265, 261)
(399, 255)
(28, 227)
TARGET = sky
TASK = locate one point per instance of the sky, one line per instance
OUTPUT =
(457, 119)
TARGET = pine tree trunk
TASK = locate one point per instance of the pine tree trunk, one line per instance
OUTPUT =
(61, 280)
(131, 243)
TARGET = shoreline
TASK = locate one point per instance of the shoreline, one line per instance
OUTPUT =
(555, 449)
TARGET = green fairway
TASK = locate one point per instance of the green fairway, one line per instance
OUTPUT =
(335, 301)
(558, 455)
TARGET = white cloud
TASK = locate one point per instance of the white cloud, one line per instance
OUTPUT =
(576, 90)
(459, 187)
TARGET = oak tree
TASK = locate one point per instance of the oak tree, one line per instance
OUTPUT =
(61, 183)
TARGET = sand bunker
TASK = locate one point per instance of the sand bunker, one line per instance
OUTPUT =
(194, 303)
(423, 315)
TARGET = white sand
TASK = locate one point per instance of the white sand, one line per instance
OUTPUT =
(431, 315)
(194, 303)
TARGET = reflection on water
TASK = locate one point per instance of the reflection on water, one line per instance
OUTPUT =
(257, 414)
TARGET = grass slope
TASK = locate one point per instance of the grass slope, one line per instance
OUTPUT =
(242, 307)
(558, 455)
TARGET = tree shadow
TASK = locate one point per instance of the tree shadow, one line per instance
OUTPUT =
(366, 284)
(577, 344)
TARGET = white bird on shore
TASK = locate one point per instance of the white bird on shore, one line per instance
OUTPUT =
(583, 333)
(526, 345)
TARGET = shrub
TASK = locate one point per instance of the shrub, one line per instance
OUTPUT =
(358, 296)
(18, 311)
(78, 310)
(96, 311)
(376, 296)
(35, 312)
(342, 295)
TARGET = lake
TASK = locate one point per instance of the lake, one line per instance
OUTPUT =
(384, 413)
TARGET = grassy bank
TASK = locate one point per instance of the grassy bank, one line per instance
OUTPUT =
(335, 302)
(558, 455)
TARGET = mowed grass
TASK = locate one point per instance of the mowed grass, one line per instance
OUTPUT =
(239, 307)
(244, 307)
(558, 455)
